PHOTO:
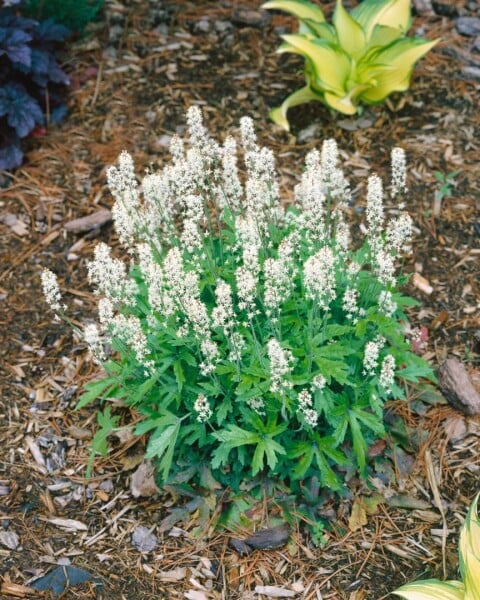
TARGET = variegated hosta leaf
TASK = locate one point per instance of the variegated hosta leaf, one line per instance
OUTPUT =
(399, 59)
(351, 36)
(469, 551)
(301, 96)
(432, 589)
(393, 13)
(302, 9)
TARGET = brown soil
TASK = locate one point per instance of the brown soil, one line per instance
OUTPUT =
(132, 92)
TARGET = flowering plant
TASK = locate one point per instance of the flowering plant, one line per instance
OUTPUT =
(250, 337)
(363, 56)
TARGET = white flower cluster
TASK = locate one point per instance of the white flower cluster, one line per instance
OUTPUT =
(371, 355)
(319, 277)
(387, 373)
(51, 291)
(280, 367)
(257, 405)
(109, 275)
(202, 408)
(386, 303)
(305, 407)
(399, 172)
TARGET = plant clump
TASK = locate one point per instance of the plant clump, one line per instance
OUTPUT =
(251, 338)
(32, 83)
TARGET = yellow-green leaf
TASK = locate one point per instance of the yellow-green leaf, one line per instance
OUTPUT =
(383, 35)
(399, 59)
(432, 589)
(302, 9)
(350, 34)
(302, 96)
(342, 104)
(393, 13)
(471, 575)
(322, 30)
(331, 66)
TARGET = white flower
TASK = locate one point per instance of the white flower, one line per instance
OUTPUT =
(222, 314)
(319, 277)
(350, 303)
(231, 191)
(91, 335)
(387, 373)
(371, 354)
(202, 408)
(342, 235)
(385, 267)
(257, 405)
(278, 283)
(304, 400)
(311, 417)
(280, 366)
(319, 382)
(124, 188)
(399, 233)
(51, 290)
(110, 276)
(191, 238)
(399, 172)
(210, 353)
(374, 206)
(246, 290)
(129, 330)
(386, 303)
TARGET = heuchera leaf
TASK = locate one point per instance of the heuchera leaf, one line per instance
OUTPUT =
(11, 155)
(13, 43)
(21, 110)
(50, 31)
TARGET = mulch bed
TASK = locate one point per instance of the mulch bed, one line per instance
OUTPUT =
(133, 78)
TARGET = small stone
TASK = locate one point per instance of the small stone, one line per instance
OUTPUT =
(202, 26)
(468, 25)
(471, 72)
(223, 26)
(9, 539)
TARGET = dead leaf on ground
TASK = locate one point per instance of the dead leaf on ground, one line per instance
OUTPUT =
(143, 539)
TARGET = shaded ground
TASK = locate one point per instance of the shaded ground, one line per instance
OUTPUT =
(132, 82)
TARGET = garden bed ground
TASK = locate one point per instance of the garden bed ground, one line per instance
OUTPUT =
(132, 80)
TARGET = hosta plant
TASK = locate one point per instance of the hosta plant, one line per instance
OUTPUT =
(249, 337)
(31, 80)
(469, 559)
(362, 57)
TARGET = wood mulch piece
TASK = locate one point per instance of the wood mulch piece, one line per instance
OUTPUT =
(132, 80)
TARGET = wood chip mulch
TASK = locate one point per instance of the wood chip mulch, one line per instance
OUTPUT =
(133, 78)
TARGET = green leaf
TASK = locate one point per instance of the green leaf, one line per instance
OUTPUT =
(162, 443)
(303, 451)
(334, 350)
(327, 475)
(359, 443)
(95, 389)
(269, 448)
(230, 438)
(417, 367)
(335, 369)
(179, 374)
(99, 445)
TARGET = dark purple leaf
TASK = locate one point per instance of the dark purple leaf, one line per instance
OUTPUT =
(13, 43)
(49, 31)
(22, 111)
(11, 155)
